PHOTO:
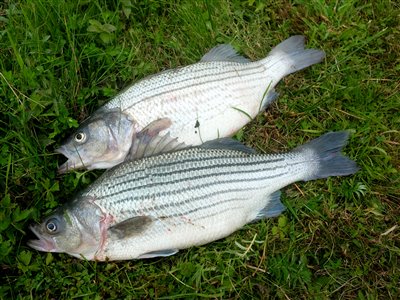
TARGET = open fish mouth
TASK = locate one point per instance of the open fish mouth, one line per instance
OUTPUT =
(42, 244)
(70, 164)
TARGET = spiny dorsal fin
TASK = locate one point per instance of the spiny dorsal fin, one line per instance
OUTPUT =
(149, 142)
(224, 52)
(227, 143)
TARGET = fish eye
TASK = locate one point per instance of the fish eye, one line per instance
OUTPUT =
(51, 226)
(80, 137)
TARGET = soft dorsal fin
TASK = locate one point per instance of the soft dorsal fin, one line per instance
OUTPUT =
(227, 143)
(290, 45)
(224, 52)
(149, 142)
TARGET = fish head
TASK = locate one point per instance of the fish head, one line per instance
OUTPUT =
(100, 142)
(75, 232)
(55, 234)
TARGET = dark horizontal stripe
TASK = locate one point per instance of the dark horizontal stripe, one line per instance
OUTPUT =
(193, 200)
(183, 180)
(197, 73)
(205, 207)
(194, 169)
(193, 188)
(219, 80)
(217, 213)
(177, 160)
(172, 161)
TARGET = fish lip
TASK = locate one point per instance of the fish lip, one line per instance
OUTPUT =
(42, 243)
(61, 150)
(69, 165)
(65, 167)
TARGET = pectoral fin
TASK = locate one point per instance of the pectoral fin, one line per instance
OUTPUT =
(130, 227)
(166, 252)
(149, 142)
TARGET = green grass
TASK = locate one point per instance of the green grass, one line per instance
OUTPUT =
(338, 239)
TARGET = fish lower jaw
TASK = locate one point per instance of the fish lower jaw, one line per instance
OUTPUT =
(42, 245)
(68, 166)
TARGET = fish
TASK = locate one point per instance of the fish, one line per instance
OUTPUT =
(158, 205)
(184, 107)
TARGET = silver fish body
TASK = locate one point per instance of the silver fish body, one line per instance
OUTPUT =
(186, 106)
(157, 205)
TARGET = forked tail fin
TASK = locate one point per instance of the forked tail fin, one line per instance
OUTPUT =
(290, 56)
(324, 153)
(321, 158)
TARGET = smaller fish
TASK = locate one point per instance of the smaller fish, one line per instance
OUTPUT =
(184, 107)
(157, 205)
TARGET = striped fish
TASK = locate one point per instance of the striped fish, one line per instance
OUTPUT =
(184, 107)
(157, 205)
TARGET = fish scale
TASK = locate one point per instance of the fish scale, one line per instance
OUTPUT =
(184, 79)
(207, 94)
(225, 171)
(148, 180)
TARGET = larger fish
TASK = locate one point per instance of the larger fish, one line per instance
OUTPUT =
(157, 205)
(185, 106)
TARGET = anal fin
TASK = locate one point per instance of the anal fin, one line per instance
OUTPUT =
(273, 208)
(269, 97)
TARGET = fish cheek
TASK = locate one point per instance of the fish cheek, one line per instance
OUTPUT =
(80, 148)
(77, 240)
(69, 239)
(110, 139)
(96, 145)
